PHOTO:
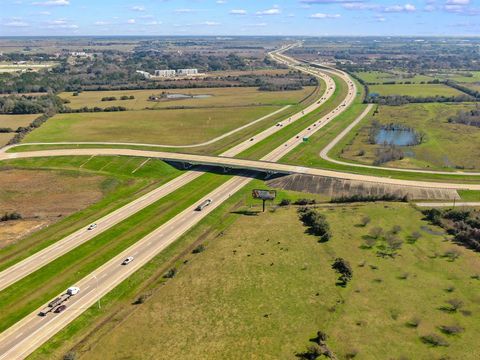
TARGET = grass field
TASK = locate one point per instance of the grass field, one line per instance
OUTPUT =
(43, 197)
(15, 121)
(417, 90)
(447, 146)
(219, 97)
(460, 77)
(381, 77)
(121, 185)
(32, 291)
(169, 127)
(258, 293)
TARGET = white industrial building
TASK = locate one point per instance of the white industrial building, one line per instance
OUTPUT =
(165, 73)
(183, 72)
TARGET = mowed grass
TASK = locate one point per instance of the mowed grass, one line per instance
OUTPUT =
(257, 292)
(165, 127)
(125, 180)
(219, 97)
(446, 145)
(381, 77)
(462, 77)
(29, 293)
(416, 90)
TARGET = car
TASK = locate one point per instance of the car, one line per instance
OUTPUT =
(73, 290)
(59, 309)
(91, 227)
(128, 260)
(203, 205)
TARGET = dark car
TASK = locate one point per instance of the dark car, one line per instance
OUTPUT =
(60, 309)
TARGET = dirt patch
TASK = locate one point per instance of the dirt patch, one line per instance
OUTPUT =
(43, 197)
(340, 188)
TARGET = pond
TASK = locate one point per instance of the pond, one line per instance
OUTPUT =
(185, 96)
(397, 137)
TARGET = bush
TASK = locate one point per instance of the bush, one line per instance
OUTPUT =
(11, 216)
(451, 330)
(414, 322)
(284, 202)
(71, 355)
(376, 232)
(342, 267)
(170, 273)
(317, 223)
(200, 248)
(304, 202)
(434, 340)
(365, 221)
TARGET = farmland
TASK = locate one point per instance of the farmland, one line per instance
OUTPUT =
(446, 145)
(271, 294)
(170, 127)
(216, 97)
(13, 122)
(379, 77)
(43, 198)
(416, 90)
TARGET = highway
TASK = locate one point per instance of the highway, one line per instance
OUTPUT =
(63, 246)
(28, 334)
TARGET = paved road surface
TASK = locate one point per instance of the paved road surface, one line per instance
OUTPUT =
(45, 256)
(29, 333)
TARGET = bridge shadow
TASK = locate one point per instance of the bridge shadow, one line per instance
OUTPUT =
(220, 170)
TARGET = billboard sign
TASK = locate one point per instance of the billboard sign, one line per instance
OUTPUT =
(264, 194)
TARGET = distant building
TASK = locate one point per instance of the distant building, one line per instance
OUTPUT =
(183, 72)
(145, 74)
(79, 54)
(165, 73)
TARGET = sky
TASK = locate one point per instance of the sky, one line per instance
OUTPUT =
(239, 17)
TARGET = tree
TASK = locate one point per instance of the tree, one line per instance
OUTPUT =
(376, 232)
(365, 221)
(342, 267)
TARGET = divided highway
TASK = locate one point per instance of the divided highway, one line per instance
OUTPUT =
(32, 331)
(52, 252)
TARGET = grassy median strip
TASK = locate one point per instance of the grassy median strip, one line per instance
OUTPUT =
(31, 292)
(117, 304)
(308, 154)
(272, 142)
(125, 187)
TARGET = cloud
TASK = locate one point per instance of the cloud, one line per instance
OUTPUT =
(400, 8)
(238, 12)
(101, 23)
(324, 16)
(53, 3)
(60, 24)
(138, 8)
(275, 10)
(131, 21)
(184, 11)
(16, 23)
(458, 2)
(153, 23)
(312, 2)
(210, 23)
(221, 2)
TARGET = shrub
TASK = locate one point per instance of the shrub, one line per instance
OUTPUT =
(414, 237)
(11, 216)
(304, 202)
(365, 221)
(342, 267)
(200, 248)
(396, 229)
(170, 273)
(434, 340)
(71, 355)
(453, 305)
(451, 330)
(413, 322)
(285, 202)
(376, 232)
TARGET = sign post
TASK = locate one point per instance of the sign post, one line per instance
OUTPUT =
(264, 195)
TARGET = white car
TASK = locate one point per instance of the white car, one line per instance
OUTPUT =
(128, 260)
(91, 227)
(73, 290)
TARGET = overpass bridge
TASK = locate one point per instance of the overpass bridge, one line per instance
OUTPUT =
(226, 163)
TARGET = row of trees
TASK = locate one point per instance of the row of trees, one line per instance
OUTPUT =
(471, 117)
(464, 225)
(396, 100)
(316, 223)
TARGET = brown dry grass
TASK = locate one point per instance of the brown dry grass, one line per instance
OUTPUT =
(42, 198)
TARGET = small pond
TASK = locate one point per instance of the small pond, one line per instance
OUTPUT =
(185, 96)
(397, 137)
